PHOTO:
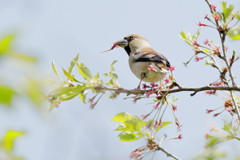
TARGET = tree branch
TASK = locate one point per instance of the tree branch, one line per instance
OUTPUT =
(166, 91)
(167, 153)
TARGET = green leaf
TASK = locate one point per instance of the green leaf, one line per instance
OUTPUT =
(183, 35)
(73, 63)
(206, 50)
(9, 139)
(6, 95)
(131, 122)
(112, 66)
(234, 33)
(187, 37)
(55, 70)
(5, 44)
(226, 10)
(83, 96)
(122, 117)
(163, 124)
(213, 141)
(34, 92)
(127, 136)
(69, 76)
(23, 57)
(84, 71)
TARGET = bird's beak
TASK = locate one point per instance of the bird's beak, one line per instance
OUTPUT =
(122, 43)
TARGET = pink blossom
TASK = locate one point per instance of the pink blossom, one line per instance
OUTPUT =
(145, 116)
(207, 135)
(151, 68)
(216, 114)
(206, 42)
(166, 80)
(174, 108)
(198, 58)
(179, 137)
(216, 17)
(156, 105)
(153, 85)
(213, 7)
(195, 43)
(229, 109)
(178, 125)
(216, 83)
(171, 68)
(209, 110)
(201, 24)
(216, 48)
(145, 86)
(210, 92)
(136, 153)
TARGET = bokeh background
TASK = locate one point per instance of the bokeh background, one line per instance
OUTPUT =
(58, 30)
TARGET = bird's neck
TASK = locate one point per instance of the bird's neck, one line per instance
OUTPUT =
(138, 45)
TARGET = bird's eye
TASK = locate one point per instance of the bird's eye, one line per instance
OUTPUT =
(131, 37)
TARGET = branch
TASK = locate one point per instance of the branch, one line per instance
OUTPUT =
(167, 153)
(165, 91)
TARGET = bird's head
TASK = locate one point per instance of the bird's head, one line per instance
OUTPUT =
(133, 42)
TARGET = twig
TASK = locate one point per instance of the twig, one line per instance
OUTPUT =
(168, 153)
(222, 35)
(182, 89)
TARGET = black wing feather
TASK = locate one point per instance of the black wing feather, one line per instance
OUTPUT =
(153, 58)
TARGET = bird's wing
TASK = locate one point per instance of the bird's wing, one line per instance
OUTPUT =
(149, 55)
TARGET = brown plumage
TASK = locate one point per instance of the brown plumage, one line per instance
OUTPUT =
(147, 64)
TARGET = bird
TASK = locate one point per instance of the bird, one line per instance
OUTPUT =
(145, 63)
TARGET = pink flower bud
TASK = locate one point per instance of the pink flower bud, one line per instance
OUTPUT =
(213, 7)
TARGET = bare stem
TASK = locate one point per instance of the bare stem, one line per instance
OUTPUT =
(168, 153)
(166, 91)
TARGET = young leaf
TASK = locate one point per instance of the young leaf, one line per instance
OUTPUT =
(122, 117)
(5, 44)
(127, 136)
(84, 71)
(9, 139)
(73, 63)
(69, 76)
(226, 10)
(112, 66)
(163, 124)
(6, 95)
(83, 96)
(55, 70)
(234, 33)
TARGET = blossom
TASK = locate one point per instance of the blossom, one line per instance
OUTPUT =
(210, 92)
(166, 80)
(178, 125)
(179, 137)
(216, 114)
(171, 68)
(151, 68)
(156, 105)
(201, 24)
(209, 110)
(206, 42)
(174, 108)
(213, 7)
(198, 58)
(153, 85)
(137, 153)
(216, 17)
(195, 43)
(145, 86)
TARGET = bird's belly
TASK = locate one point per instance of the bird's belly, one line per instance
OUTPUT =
(141, 68)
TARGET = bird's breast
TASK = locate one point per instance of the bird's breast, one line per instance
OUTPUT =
(138, 68)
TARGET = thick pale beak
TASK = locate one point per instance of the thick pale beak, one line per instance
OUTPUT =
(122, 43)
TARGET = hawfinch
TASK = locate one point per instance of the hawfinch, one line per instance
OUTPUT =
(146, 64)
